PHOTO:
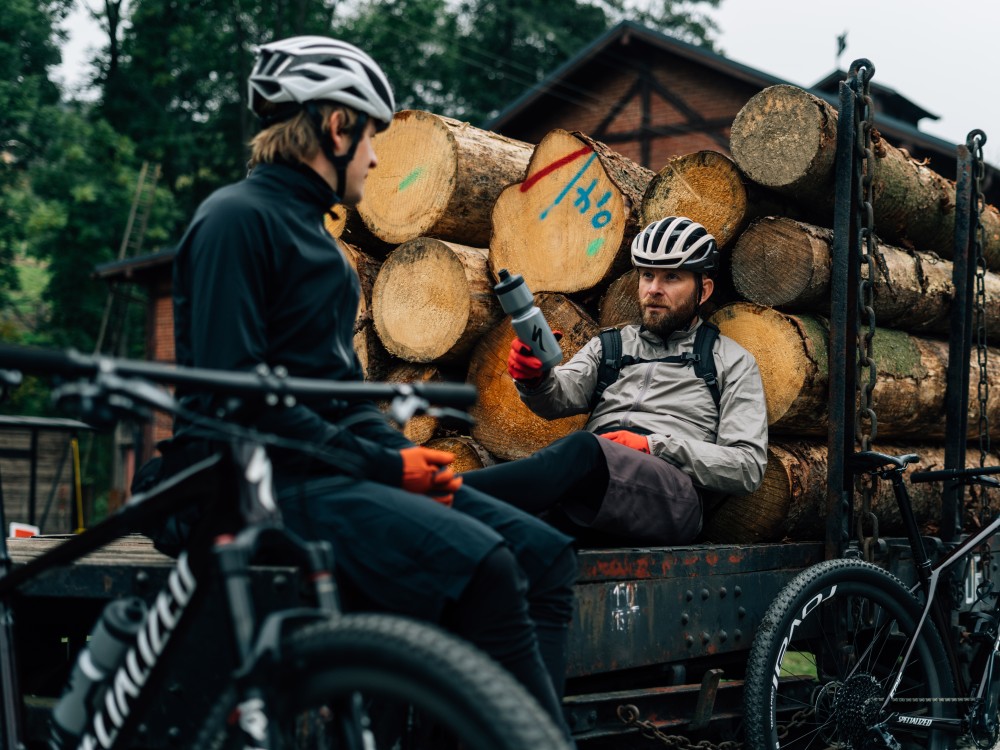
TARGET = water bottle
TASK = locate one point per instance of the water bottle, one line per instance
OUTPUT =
(528, 321)
(115, 631)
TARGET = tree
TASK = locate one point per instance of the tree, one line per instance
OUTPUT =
(27, 48)
(470, 59)
(177, 87)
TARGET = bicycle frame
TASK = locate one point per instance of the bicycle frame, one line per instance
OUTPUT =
(930, 576)
(129, 691)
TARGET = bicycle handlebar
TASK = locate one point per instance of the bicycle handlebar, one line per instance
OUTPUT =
(264, 382)
(931, 476)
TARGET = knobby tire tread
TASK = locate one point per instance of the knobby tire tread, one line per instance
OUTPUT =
(775, 624)
(506, 716)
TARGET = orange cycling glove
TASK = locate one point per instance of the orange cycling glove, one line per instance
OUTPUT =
(426, 472)
(522, 365)
(638, 442)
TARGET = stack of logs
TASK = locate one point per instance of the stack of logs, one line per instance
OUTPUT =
(450, 205)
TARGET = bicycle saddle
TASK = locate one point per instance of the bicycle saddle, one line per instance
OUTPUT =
(871, 460)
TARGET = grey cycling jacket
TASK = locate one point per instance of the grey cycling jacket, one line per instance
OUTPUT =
(723, 449)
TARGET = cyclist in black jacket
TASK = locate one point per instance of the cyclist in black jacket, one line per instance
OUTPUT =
(258, 280)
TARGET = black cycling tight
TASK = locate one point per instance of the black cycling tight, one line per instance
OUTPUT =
(524, 629)
(573, 466)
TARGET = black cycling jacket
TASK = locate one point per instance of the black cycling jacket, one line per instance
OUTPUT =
(258, 279)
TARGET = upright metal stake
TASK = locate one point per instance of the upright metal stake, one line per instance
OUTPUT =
(959, 349)
(10, 688)
(843, 328)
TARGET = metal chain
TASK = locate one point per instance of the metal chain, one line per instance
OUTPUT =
(629, 715)
(866, 371)
(975, 142)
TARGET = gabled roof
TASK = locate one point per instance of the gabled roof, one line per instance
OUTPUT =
(626, 31)
(891, 101)
(137, 268)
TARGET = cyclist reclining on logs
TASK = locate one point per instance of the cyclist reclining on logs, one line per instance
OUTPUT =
(259, 282)
(671, 431)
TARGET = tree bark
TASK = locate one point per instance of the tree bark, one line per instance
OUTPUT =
(785, 138)
(791, 503)
(433, 300)
(568, 226)
(916, 295)
(469, 455)
(505, 426)
(373, 356)
(791, 352)
(438, 177)
(708, 187)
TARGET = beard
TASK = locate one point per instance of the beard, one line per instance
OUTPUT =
(665, 320)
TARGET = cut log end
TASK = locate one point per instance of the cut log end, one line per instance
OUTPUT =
(775, 342)
(410, 190)
(504, 425)
(469, 455)
(779, 134)
(705, 186)
(758, 517)
(563, 227)
(422, 302)
(619, 305)
(773, 263)
(421, 428)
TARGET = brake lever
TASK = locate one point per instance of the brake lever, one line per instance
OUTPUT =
(406, 405)
(108, 399)
(985, 481)
(10, 378)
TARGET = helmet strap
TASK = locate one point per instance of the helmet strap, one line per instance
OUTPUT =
(698, 289)
(341, 162)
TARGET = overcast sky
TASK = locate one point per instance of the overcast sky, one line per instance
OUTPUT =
(941, 54)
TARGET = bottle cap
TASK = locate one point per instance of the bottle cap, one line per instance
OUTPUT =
(507, 281)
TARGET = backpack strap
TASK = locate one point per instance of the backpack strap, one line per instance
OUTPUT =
(701, 357)
(704, 360)
(611, 363)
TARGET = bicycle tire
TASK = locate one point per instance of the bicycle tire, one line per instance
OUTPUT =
(467, 697)
(824, 653)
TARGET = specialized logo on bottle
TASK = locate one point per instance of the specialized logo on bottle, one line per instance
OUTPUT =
(536, 335)
(160, 622)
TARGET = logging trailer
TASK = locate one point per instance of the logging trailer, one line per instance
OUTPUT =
(660, 638)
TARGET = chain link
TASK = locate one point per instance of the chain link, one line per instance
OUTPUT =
(871, 259)
(629, 715)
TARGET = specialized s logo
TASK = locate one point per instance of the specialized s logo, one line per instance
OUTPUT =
(160, 622)
(536, 336)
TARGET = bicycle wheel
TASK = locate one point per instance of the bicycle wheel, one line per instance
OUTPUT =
(406, 684)
(826, 654)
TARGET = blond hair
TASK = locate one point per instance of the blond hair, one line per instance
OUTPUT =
(295, 139)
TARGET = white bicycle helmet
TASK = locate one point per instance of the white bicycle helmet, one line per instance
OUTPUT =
(316, 68)
(675, 242)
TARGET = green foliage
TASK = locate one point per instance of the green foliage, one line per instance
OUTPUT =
(470, 59)
(27, 47)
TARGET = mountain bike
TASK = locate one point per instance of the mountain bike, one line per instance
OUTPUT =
(848, 657)
(304, 677)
